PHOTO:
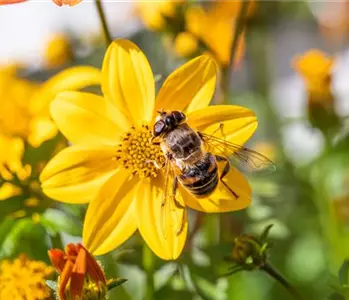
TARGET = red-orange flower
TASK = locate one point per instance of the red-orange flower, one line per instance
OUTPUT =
(66, 2)
(75, 265)
(2, 2)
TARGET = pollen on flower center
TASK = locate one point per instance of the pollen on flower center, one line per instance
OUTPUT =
(138, 154)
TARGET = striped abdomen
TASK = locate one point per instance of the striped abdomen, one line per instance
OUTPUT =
(201, 179)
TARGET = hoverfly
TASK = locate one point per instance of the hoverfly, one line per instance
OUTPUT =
(192, 158)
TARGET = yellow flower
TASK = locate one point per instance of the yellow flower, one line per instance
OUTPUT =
(14, 175)
(185, 44)
(24, 279)
(215, 31)
(111, 163)
(231, 9)
(24, 105)
(315, 67)
(11, 152)
(58, 51)
(154, 13)
(25, 117)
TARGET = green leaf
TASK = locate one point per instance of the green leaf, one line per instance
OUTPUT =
(5, 228)
(336, 296)
(26, 237)
(264, 236)
(343, 272)
(56, 221)
(113, 283)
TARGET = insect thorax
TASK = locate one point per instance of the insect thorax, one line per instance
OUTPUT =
(182, 142)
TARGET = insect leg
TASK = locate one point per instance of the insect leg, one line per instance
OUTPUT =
(168, 156)
(225, 172)
(155, 163)
(164, 208)
(220, 128)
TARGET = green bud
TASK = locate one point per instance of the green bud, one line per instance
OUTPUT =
(249, 252)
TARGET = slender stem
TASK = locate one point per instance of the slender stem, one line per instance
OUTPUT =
(239, 26)
(103, 19)
(56, 241)
(268, 268)
(148, 264)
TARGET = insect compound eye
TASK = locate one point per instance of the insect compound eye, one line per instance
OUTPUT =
(178, 116)
(169, 121)
(159, 127)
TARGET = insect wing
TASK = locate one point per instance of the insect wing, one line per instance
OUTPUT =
(173, 212)
(243, 158)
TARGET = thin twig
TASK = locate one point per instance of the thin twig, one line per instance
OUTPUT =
(268, 268)
(103, 19)
(239, 26)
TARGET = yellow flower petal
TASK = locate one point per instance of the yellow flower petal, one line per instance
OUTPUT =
(8, 190)
(190, 87)
(111, 219)
(222, 200)
(128, 81)
(76, 174)
(74, 78)
(41, 130)
(239, 123)
(163, 229)
(86, 119)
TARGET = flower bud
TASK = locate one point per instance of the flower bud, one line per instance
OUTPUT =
(249, 252)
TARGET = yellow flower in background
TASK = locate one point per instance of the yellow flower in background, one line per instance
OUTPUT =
(11, 152)
(196, 28)
(216, 31)
(154, 13)
(14, 94)
(111, 161)
(24, 279)
(186, 44)
(14, 175)
(25, 105)
(25, 118)
(315, 67)
(58, 51)
(231, 9)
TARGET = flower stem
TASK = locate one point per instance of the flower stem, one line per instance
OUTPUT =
(103, 19)
(271, 271)
(239, 26)
(148, 264)
(56, 241)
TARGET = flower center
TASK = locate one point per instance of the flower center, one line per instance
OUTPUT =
(138, 154)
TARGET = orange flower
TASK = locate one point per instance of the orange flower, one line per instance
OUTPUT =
(2, 2)
(66, 2)
(76, 266)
